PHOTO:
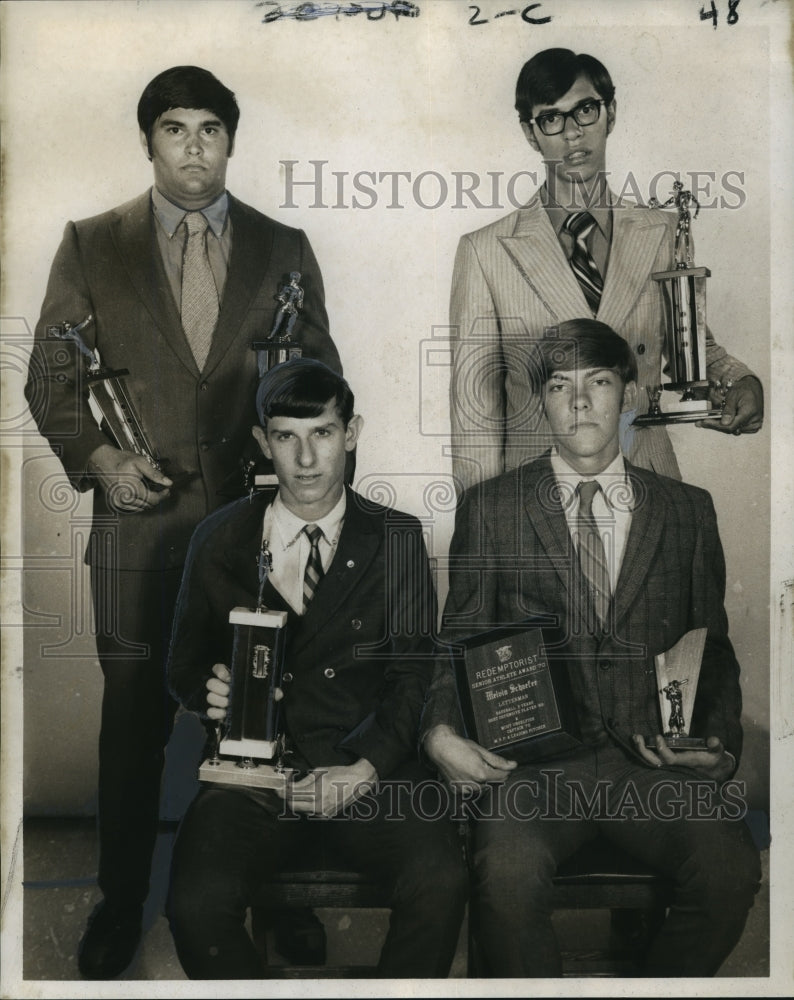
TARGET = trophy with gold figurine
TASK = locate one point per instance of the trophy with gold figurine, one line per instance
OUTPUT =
(677, 673)
(249, 745)
(684, 293)
(279, 345)
(110, 398)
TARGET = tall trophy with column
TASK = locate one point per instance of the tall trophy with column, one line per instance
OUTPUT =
(684, 293)
(249, 746)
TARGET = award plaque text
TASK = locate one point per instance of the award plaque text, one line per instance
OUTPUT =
(516, 701)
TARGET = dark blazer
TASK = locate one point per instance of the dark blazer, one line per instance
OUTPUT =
(110, 267)
(360, 658)
(512, 559)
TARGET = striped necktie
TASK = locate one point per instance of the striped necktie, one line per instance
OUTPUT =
(592, 556)
(314, 566)
(579, 225)
(199, 295)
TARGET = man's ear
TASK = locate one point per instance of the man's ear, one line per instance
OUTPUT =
(145, 144)
(352, 431)
(629, 397)
(261, 439)
(611, 114)
(529, 135)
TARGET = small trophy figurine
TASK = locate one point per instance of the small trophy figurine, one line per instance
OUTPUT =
(249, 746)
(108, 392)
(279, 346)
(684, 292)
(677, 672)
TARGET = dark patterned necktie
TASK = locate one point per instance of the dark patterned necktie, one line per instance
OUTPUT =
(579, 225)
(314, 566)
(199, 295)
(592, 557)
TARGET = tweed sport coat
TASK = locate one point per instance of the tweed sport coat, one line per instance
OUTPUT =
(360, 658)
(512, 560)
(110, 267)
(512, 280)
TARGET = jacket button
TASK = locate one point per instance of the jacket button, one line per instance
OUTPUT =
(350, 564)
(204, 446)
(204, 386)
(605, 665)
(329, 672)
(640, 348)
(286, 677)
(356, 623)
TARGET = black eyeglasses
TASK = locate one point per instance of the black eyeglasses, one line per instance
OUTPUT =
(553, 122)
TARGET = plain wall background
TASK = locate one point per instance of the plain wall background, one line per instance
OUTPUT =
(427, 94)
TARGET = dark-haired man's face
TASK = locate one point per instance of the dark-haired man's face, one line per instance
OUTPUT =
(577, 155)
(583, 408)
(190, 150)
(309, 455)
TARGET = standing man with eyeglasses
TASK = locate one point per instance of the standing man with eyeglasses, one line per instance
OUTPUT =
(575, 250)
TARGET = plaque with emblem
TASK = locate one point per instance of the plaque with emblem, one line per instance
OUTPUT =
(515, 693)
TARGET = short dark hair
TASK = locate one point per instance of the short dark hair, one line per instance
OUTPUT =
(583, 343)
(187, 87)
(551, 73)
(301, 388)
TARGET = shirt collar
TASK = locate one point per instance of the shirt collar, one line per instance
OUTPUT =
(601, 212)
(171, 215)
(290, 526)
(621, 498)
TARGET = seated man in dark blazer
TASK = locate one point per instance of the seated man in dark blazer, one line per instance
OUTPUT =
(360, 650)
(624, 562)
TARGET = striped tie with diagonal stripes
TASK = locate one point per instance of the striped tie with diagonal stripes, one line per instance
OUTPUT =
(314, 566)
(580, 225)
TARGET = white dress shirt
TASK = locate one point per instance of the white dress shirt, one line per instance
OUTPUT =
(612, 507)
(289, 546)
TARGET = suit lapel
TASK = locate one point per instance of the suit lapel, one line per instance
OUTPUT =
(636, 237)
(535, 250)
(547, 518)
(136, 241)
(645, 534)
(252, 247)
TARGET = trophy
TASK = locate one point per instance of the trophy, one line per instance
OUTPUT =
(279, 346)
(109, 397)
(249, 746)
(677, 672)
(684, 293)
(515, 693)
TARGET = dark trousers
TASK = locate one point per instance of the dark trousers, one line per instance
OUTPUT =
(133, 612)
(542, 815)
(230, 841)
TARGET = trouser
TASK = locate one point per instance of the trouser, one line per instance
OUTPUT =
(677, 824)
(231, 841)
(133, 612)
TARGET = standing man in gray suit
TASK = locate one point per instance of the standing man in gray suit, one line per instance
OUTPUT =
(518, 276)
(179, 283)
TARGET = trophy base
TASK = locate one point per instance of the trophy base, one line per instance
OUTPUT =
(253, 775)
(677, 743)
(676, 417)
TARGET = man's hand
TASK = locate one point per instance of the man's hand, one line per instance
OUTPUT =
(744, 409)
(327, 791)
(463, 763)
(123, 476)
(715, 762)
(218, 688)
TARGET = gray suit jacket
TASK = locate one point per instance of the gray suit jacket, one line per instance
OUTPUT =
(110, 267)
(511, 280)
(512, 559)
